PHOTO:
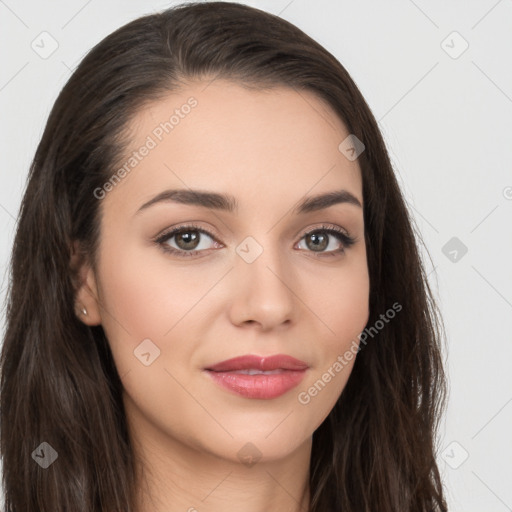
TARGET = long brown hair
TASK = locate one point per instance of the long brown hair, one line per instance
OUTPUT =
(375, 451)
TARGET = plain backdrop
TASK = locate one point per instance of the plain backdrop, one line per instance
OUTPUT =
(438, 78)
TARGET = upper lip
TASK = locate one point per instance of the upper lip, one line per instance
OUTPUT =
(263, 363)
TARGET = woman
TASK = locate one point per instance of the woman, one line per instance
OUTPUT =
(217, 301)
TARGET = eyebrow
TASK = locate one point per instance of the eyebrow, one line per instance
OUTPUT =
(228, 203)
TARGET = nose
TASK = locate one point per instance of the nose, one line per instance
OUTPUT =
(263, 292)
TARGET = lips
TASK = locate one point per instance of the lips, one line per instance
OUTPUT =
(263, 377)
(261, 363)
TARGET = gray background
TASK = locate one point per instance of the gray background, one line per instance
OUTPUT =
(446, 116)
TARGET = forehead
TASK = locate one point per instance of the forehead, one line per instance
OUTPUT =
(269, 144)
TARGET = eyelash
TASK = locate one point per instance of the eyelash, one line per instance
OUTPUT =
(346, 240)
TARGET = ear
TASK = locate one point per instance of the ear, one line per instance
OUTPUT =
(86, 290)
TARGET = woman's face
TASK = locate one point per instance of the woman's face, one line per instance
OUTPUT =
(243, 280)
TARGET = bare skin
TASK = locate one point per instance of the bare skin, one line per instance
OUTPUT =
(270, 150)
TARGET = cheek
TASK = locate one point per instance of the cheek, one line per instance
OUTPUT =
(136, 305)
(147, 310)
(343, 304)
(344, 312)
(343, 308)
(147, 296)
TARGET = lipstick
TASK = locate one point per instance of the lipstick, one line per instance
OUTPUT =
(260, 377)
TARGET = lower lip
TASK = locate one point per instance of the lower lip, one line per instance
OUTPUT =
(259, 386)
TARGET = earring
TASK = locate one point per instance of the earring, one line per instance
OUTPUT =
(83, 310)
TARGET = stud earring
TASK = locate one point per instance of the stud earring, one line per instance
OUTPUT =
(83, 310)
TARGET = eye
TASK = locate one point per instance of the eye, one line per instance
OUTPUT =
(320, 239)
(189, 240)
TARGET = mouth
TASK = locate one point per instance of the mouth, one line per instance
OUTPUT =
(258, 377)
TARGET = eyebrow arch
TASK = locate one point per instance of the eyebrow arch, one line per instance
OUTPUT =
(226, 202)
